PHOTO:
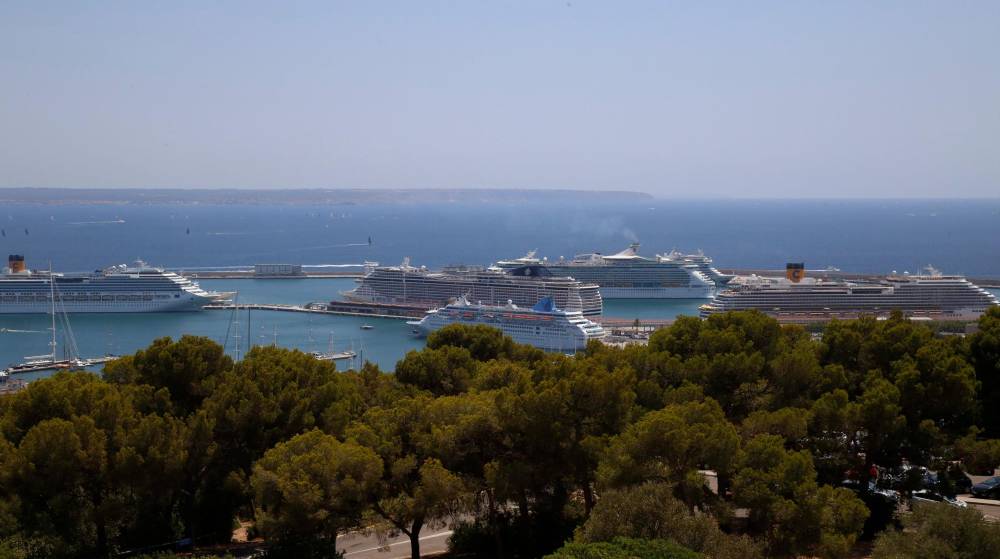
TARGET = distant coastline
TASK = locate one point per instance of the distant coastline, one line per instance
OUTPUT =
(302, 196)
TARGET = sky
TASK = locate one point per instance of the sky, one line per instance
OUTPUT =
(678, 99)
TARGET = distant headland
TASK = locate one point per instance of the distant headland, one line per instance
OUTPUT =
(346, 196)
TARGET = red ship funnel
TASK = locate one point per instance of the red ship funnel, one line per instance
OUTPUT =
(16, 263)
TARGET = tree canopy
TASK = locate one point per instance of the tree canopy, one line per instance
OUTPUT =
(524, 453)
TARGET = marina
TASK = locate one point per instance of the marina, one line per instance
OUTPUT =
(274, 308)
(57, 365)
(386, 343)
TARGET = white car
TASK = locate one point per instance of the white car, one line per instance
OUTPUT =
(924, 496)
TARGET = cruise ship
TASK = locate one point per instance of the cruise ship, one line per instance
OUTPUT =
(524, 285)
(543, 326)
(796, 298)
(701, 263)
(627, 275)
(118, 289)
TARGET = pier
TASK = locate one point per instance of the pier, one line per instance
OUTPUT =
(58, 365)
(398, 312)
(249, 274)
(411, 312)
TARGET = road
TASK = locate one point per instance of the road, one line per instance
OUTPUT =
(989, 508)
(360, 546)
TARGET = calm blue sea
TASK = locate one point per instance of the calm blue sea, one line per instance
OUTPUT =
(862, 236)
(959, 236)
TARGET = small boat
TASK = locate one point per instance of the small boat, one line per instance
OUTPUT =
(367, 327)
(331, 355)
(336, 356)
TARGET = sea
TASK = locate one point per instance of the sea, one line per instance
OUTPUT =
(868, 236)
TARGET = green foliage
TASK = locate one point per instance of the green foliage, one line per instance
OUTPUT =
(790, 423)
(444, 371)
(415, 488)
(625, 548)
(185, 369)
(984, 350)
(524, 446)
(313, 486)
(482, 342)
(85, 470)
(941, 531)
(650, 511)
(668, 444)
(979, 456)
(787, 506)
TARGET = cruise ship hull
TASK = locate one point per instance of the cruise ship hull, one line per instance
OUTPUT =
(106, 304)
(934, 297)
(542, 326)
(550, 340)
(626, 275)
(657, 292)
(411, 286)
(117, 289)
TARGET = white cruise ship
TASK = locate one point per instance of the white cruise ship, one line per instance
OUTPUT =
(543, 326)
(524, 285)
(701, 263)
(626, 275)
(796, 298)
(118, 289)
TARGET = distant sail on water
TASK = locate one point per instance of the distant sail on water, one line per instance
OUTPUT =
(103, 222)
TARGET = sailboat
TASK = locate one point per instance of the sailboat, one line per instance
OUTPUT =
(50, 361)
(332, 355)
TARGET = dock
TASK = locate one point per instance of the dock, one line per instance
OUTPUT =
(60, 365)
(398, 312)
(249, 274)
(411, 312)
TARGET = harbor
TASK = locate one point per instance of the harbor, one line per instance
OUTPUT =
(337, 317)
(384, 344)
(56, 365)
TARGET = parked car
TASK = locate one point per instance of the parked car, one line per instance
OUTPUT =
(924, 496)
(989, 488)
(888, 495)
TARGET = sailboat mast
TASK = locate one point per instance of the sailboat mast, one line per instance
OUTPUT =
(52, 296)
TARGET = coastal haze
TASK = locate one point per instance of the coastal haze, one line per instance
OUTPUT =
(846, 99)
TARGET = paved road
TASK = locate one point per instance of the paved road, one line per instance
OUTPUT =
(359, 546)
(989, 508)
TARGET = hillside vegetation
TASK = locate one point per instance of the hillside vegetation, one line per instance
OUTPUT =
(529, 453)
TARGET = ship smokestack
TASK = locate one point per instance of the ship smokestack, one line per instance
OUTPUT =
(15, 262)
(795, 271)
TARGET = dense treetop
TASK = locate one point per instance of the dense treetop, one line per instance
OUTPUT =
(523, 451)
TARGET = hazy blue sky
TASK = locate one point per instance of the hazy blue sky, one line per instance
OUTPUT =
(692, 99)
